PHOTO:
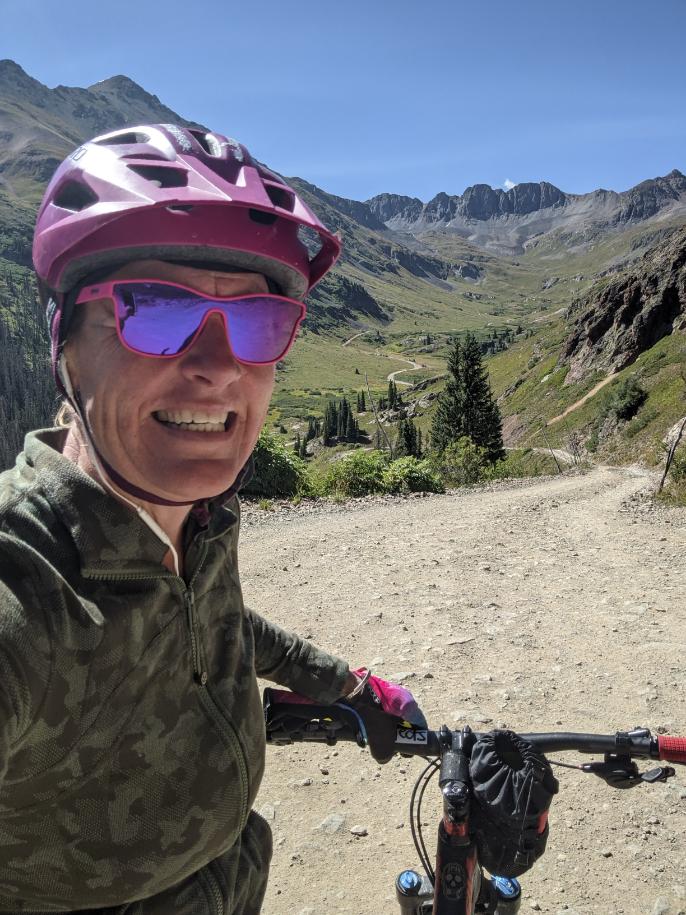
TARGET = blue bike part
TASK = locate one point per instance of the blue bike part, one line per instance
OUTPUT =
(409, 882)
(507, 887)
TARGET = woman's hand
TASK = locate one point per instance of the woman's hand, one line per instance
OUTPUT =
(383, 707)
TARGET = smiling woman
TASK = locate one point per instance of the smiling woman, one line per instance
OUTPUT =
(132, 737)
(123, 393)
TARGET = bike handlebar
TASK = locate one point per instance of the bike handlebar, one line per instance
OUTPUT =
(672, 749)
(288, 722)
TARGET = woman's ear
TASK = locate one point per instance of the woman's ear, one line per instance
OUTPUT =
(67, 371)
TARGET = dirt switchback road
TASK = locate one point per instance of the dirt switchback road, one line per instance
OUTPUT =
(557, 604)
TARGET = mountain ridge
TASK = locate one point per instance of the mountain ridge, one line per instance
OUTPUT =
(508, 221)
(505, 265)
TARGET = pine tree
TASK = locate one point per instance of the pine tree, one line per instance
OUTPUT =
(407, 442)
(351, 429)
(394, 399)
(343, 413)
(448, 420)
(466, 405)
(482, 422)
(330, 429)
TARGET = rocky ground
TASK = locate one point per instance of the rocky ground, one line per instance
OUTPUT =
(552, 604)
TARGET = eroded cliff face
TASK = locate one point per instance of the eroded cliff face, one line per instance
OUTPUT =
(616, 322)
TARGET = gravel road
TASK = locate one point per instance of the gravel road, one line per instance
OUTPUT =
(551, 604)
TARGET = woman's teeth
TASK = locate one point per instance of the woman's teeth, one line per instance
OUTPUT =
(195, 421)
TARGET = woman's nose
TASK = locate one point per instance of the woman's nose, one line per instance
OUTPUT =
(210, 356)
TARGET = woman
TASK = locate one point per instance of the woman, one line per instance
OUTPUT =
(173, 270)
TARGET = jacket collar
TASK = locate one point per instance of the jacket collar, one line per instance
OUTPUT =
(111, 539)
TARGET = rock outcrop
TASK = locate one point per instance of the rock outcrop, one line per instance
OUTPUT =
(616, 322)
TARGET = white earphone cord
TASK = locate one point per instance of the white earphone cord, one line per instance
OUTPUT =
(92, 453)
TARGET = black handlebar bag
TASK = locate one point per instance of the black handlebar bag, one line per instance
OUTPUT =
(513, 787)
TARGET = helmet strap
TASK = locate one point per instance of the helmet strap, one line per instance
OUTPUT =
(103, 467)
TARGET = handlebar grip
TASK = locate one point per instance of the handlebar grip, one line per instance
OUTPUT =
(672, 749)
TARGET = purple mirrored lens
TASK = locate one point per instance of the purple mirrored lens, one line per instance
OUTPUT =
(160, 319)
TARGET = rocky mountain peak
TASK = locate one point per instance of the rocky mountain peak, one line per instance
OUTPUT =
(478, 202)
(16, 82)
(10, 71)
(122, 86)
(388, 206)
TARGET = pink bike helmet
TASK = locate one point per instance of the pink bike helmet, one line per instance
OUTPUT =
(172, 193)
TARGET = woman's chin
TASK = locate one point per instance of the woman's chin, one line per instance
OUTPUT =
(194, 481)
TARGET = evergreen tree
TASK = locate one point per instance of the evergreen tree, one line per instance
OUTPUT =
(407, 442)
(395, 401)
(343, 413)
(466, 405)
(448, 419)
(351, 429)
(330, 429)
(482, 422)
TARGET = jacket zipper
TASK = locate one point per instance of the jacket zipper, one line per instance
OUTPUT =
(200, 676)
(212, 886)
(199, 673)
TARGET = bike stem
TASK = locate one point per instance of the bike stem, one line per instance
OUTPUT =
(458, 878)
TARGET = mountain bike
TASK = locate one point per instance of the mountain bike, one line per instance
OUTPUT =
(458, 885)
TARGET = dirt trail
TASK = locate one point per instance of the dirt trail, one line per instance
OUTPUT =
(553, 604)
(579, 403)
(413, 365)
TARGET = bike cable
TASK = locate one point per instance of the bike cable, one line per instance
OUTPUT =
(416, 817)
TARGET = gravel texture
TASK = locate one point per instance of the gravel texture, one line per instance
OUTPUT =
(553, 604)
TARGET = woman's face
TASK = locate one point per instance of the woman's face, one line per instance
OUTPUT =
(131, 401)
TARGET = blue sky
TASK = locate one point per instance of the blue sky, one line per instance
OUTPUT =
(414, 98)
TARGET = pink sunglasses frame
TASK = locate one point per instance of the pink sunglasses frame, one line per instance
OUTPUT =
(106, 291)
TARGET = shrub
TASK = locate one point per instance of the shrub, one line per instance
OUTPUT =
(461, 462)
(640, 422)
(356, 474)
(522, 462)
(408, 474)
(677, 470)
(626, 398)
(279, 472)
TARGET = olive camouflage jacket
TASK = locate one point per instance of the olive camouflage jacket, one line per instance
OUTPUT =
(131, 732)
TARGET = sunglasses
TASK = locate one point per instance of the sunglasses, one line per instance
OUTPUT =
(163, 320)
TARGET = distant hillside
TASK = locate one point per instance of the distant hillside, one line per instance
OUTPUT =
(39, 126)
(571, 286)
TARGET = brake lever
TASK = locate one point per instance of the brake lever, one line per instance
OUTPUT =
(622, 772)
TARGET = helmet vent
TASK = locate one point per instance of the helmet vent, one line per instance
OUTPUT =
(265, 219)
(280, 197)
(310, 238)
(208, 142)
(162, 176)
(75, 196)
(128, 138)
(155, 156)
